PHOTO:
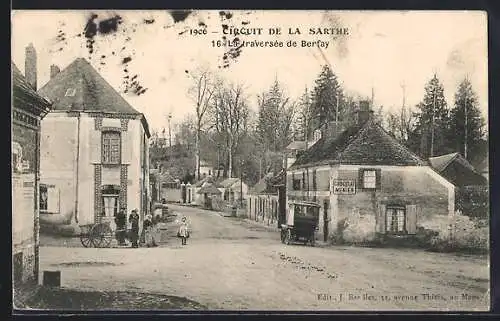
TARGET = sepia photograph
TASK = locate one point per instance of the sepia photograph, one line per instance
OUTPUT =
(250, 160)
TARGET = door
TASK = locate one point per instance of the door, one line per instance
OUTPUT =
(326, 221)
(111, 206)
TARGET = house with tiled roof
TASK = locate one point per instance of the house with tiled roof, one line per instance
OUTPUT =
(27, 110)
(455, 168)
(94, 151)
(233, 189)
(361, 172)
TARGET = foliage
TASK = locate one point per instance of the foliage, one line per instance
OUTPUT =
(429, 137)
(327, 98)
(467, 126)
(473, 201)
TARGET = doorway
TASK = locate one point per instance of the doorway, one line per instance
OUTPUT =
(110, 204)
(326, 221)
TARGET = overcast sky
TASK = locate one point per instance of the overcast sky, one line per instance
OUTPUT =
(382, 51)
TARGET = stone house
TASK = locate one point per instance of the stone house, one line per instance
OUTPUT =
(28, 108)
(94, 151)
(360, 172)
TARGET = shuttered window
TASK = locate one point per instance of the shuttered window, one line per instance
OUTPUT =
(111, 147)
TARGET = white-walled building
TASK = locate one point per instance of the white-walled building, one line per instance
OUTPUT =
(94, 150)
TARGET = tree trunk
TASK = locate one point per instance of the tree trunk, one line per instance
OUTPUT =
(230, 169)
(197, 154)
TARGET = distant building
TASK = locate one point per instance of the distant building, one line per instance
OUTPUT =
(233, 189)
(456, 169)
(95, 150)
(28, 108)
(206, 169)
(295, 148)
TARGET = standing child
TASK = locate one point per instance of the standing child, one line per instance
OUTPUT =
(183, 232)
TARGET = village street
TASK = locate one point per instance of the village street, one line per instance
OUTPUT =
(230, 263)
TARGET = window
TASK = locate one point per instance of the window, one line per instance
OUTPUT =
(17, 155)
(70, 92)
(49, 199)
(296, 184)
(304, 180)
(369, 178)
(111, 147)
(396, 219)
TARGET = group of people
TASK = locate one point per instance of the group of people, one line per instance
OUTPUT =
(150, 229)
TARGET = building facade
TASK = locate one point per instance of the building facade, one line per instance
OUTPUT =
(361, 173)
(28, 108)
(94, 151)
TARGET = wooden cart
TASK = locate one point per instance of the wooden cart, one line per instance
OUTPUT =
(301, 223)
(96, 235)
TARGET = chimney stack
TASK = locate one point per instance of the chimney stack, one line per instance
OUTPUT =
(364, 112)
(54, 70)
(30, 66)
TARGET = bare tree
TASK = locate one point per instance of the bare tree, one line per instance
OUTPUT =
(201, 92)
(231, 116)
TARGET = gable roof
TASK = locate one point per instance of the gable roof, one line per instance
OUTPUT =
(365, 144)
(92, 93)
(457, 170)
(297, 145)
(23, 94)
(228, 182)
(439, 163)
(207, 179)
(209, 189)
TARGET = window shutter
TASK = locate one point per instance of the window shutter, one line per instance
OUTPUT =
(360, 178)
(381, 218)
(95, 146)
(378, 175)
(127, 147)
(411, 219)
(53, 200)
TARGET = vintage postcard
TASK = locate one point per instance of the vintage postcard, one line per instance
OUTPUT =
(250, 160)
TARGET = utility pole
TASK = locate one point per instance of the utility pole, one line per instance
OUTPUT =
(466, 120)
(403, 114)
(169, 129)
(241, 183)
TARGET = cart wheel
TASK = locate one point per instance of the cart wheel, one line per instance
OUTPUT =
(85, 240)
(288, 237)
(102, 235)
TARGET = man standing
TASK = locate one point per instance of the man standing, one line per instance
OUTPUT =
(134, 230)
(121, 226)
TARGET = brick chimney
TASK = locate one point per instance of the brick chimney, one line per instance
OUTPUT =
(30, 66)
(364, 112)
(54, 70)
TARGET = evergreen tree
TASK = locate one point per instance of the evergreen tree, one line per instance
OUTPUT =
(466, 123)
(326, 97)
(302, 124)
(429, 136)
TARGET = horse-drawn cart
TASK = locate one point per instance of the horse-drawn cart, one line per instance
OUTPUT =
(301, 223)
(96, 235)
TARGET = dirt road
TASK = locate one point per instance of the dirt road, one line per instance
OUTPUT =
(234, 264)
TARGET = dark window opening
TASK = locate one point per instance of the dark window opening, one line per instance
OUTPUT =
(396, 220)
